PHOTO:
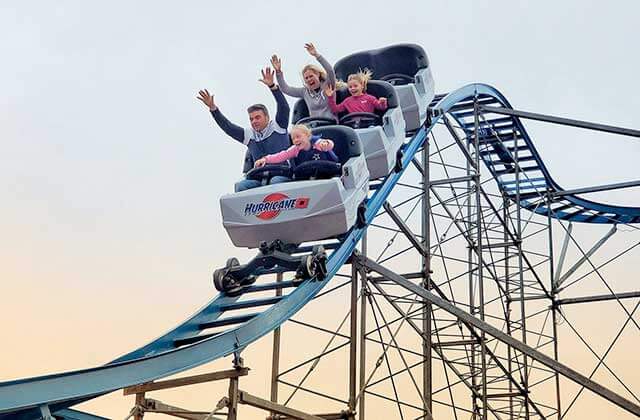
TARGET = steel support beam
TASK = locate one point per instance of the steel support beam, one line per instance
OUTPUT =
(275, 352)
(563, 254)
(362, 378)
(479, 244)
(353, 339)
(586, 256)
(404, 228)
(449, 181)
(559, 120)
(427, 343)
(587, 190)
(598, 298)
(45, 412)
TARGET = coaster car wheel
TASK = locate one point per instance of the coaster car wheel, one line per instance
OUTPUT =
(221, 279)
(313, 266)
(225, 282)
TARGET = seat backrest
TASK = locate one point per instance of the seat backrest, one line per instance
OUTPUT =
(300, 111)
(345, 139)
(404, 59)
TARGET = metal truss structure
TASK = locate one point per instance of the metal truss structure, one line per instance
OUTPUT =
(496, 253)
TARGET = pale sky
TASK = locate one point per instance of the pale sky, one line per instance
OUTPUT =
(111, 170)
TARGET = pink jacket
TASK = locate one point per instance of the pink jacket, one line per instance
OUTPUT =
(362, 103)
(290, 153)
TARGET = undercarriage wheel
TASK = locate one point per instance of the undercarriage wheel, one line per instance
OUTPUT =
(218, 279)
(232, 262)
(361, 219)
(398, 166)
(221, 277)
(307, 267)
(320, 259)
(305, 270)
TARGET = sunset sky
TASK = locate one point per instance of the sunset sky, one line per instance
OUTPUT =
(111, 170)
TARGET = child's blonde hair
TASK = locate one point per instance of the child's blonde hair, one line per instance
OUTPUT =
(362, 76)
(322, 75)
(306, 130)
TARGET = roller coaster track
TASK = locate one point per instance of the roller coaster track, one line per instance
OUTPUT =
(513, 161)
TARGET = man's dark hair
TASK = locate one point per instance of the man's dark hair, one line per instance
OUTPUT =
(258, 107)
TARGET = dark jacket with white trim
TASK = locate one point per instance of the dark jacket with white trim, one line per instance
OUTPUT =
(272, 139)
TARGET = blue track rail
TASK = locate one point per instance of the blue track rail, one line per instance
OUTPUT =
(192, 343)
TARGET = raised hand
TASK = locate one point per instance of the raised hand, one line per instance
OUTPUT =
(311, 49)
(329, 90)
(267, 77)
(276, 63)
(206, 98)
(260, 163)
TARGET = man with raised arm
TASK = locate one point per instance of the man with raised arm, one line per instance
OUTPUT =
(265, 136)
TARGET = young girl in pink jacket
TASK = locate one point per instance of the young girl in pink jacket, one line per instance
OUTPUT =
(306, 147)
(359, 101)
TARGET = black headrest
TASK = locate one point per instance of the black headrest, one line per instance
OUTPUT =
(300, 111)
(377, 88)
(404, 59)
(345, 139)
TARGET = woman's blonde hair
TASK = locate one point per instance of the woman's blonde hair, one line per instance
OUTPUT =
(306, 130)
(322, 75)
(362, 76)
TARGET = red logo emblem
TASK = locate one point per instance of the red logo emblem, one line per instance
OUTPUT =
(273, 204)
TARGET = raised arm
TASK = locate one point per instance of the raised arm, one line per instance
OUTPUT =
(380, 104)
(282, 114)
(232, 130)
(331, 75)
(283, 111)
(279, 157)
(296, 92)
(330, 93)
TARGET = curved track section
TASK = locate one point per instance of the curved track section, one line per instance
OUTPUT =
(503, 141)
(214, 332)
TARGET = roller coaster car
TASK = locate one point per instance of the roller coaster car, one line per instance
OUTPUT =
(381, 133)
(405, 66)
(323, 200)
